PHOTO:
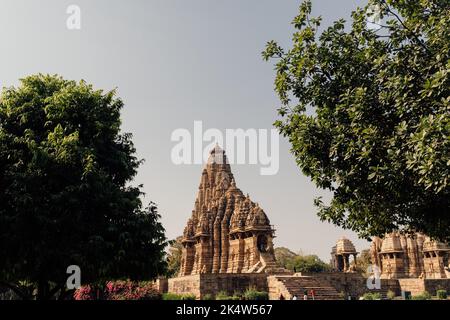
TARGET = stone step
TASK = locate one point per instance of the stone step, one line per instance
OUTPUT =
(298, 285)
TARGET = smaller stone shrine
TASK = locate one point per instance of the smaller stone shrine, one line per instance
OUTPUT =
(341, 254)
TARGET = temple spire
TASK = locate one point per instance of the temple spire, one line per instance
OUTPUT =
(221, 215)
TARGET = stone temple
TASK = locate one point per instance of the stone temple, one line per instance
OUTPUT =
(227, 246)
(227, 232)
(410, 256)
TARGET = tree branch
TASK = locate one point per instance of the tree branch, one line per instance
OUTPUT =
(406, 28)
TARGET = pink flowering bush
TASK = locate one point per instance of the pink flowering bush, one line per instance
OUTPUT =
(120, 290)
(84, 293)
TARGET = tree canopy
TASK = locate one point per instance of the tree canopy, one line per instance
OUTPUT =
(363, 262)
(65, 190)
(174, 257)
(284, 255)
(365, 106)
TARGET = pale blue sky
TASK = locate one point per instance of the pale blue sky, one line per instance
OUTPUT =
(174, 62)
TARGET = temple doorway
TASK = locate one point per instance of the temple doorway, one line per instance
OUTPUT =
(262, 243)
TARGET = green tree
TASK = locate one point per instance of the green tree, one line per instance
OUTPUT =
(174, 257)
(366, 110)
(65, 192)
(308, 263)
(290, 260)
(363, 261)
(283, 256)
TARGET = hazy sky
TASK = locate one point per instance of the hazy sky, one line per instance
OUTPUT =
(175, 62)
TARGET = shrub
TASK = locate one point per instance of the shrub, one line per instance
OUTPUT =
(372, 296)
(308, 263)
(367, 296)
(171, 296)
(118, 290)
(8, 295)
(128, 290)
(223, 295)
(253, 294)
(423, 296)
(390, 295)
(441, 294)
(208, 296)
(146, 291)
(376, 296)
(84, 293)
(174, 296)
(237, 295)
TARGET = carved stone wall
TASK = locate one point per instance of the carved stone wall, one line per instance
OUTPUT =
(203, 284)
(354, 284)
(418, 286)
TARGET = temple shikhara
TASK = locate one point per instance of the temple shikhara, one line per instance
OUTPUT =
(227, 232)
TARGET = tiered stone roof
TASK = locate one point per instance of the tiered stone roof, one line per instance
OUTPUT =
(391, 243)
(344, 245)
(219, 201)
(432, 245)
